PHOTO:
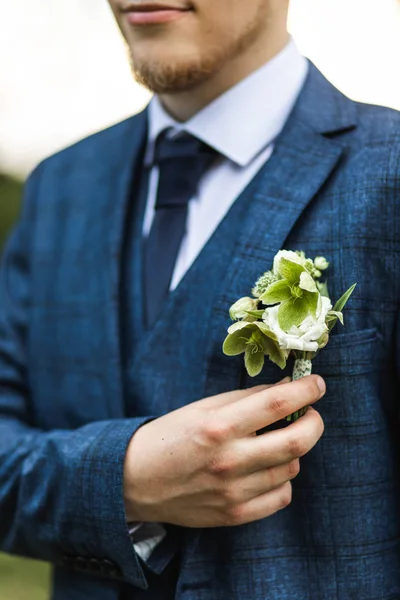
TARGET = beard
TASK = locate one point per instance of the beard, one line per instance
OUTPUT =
(183, 74)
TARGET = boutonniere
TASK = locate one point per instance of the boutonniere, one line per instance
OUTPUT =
(289, 313)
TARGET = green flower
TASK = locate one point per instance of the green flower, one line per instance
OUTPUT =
(296, 291)
(262, 283)
(256, 341)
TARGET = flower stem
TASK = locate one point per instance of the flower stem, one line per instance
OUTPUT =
(302, 368)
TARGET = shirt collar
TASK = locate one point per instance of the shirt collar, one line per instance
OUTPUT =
(247, 118)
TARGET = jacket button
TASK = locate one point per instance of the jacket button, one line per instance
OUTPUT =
(95, 565)
(68, 562)
(81, 564)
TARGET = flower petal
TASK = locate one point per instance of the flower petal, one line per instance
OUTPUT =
(277, 292)
(263, 327)
(276, 354)
(292, 312)
(307, 283)
(254, 362)
(296, 257)
(321, 263)
(292, 342)
(238, 326)
(291, 270)
(234, 344)
(311, 299)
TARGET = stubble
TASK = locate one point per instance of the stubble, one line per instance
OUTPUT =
(182, 75)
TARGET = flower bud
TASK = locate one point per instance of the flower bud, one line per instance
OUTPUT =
(238, 310)
(321, 263)
(323, 340)
(263, 282)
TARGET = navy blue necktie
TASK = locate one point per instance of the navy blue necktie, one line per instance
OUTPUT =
(182, 161)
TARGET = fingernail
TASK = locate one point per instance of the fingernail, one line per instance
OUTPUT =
(321, 385)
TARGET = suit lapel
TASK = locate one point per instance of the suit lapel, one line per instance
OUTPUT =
(303, 160)
(300, 165)
(115, 172)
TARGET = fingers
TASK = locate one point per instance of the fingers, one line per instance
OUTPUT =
(240, 394)
(235, 395)
(266, 480)
(260, 507)
(230, 397)
(258, 410)
(281, 446)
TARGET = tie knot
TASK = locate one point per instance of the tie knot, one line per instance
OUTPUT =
(180, 147)
(182, 161)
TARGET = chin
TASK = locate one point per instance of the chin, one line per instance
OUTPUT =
(171, 76)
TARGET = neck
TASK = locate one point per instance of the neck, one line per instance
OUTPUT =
(183, 105)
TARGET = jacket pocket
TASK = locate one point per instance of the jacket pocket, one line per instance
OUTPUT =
(353, 366)
(349, 354)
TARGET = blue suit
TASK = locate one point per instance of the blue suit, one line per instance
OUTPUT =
(78, 375)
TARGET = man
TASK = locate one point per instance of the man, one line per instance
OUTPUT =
(125, 457)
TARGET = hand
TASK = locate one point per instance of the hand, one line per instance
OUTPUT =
(204, 466)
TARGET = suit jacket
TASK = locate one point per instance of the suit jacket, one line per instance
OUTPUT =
(67, 413)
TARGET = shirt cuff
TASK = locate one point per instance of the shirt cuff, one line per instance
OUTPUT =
(146, 537)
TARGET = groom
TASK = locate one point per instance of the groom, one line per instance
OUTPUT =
(128, 454)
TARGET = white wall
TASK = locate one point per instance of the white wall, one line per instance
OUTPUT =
(64, 73)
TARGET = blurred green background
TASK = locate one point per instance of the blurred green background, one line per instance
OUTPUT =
(10, 197)
(19, 579)
(23, 579)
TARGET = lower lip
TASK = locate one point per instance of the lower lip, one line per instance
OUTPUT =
(157, 16)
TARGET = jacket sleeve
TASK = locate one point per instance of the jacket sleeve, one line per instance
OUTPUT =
(61, 492)
(397, 348)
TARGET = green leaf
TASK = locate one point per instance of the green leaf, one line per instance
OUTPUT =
(332, 318)
(275, 353)
(253, 361)
(307, 283)
(236, 343)
(292, 312)
(332, 325)
(335, 315)
(290, 270)
(277, 292)
(340, 304)
(257, 314)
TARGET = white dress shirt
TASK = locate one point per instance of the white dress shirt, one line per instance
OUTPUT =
(242, 125)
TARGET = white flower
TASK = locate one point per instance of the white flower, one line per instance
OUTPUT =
(238, 310)
(321, 263)
(308, 335)
(289, 255)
